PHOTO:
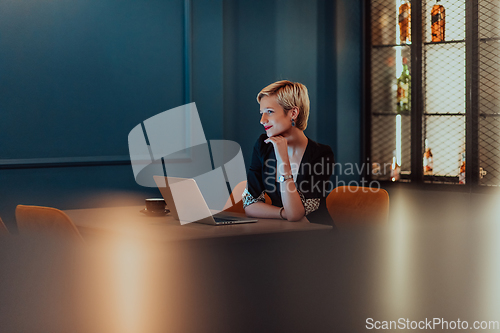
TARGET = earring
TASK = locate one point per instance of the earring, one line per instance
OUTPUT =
(293, 122)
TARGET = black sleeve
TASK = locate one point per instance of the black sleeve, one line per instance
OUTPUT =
(321, 173)
(316, 185)
(255, 184)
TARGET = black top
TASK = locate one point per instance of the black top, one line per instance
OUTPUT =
(312, 181)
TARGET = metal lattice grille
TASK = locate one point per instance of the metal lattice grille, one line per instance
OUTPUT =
(390, 131)
(444, 89)
(384, 144)
(489, 92)
(446, 137)
(457, 85)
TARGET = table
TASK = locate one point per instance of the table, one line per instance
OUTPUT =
(129, 221)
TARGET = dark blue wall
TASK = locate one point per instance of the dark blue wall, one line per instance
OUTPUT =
(207, 65)
(348, 31)
(348, 84)
(77, 76)
(315, 42)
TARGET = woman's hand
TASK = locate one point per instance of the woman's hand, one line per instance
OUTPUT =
(280, 147)
(281, 150)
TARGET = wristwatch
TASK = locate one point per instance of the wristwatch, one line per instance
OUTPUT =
(282, 178)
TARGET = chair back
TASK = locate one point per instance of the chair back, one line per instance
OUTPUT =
(46, 221)
(352, 206)
(3, 229)
(235, 203)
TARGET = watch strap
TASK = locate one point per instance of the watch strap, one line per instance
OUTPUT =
(284, 178)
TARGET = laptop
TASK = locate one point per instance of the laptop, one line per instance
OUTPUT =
(189, 205)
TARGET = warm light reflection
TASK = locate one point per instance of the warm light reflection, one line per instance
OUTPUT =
(398, 139)
(398, 253)
(130, 282)
(440, 257)
(399, 61)
(118, 277)
(490, 259)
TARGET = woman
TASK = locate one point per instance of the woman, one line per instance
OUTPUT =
(291, 168)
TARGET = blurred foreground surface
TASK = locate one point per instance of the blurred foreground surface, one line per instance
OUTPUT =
(437, 258)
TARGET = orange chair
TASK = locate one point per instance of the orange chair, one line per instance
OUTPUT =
(3, 229)
(236, 197)
(46, 221)
(352, 206)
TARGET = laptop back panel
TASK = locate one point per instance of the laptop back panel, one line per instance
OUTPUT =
(186, 202)
(185, 198)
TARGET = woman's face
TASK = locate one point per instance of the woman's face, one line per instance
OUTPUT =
(273, 116)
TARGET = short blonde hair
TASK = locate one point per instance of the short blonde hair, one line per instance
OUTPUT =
(290, 95)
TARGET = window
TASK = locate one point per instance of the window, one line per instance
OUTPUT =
(439, 122)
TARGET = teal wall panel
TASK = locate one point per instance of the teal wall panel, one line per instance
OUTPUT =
(77, 75)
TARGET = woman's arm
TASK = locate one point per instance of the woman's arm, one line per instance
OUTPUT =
(254, 205)
(253, 197)
(263, 210)
(266, 211)
(292, 203)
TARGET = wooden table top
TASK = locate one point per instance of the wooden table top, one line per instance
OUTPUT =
(129, 221)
